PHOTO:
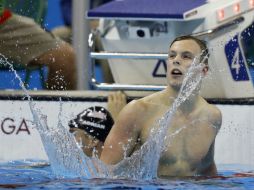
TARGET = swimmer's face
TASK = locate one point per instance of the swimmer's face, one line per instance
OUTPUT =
(180, 57)
(85, 141)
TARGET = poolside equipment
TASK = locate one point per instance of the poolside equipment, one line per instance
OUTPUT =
(137, 33)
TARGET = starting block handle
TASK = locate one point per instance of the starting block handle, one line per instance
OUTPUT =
(125, 55)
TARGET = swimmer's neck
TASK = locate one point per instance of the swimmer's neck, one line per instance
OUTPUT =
(170, 94)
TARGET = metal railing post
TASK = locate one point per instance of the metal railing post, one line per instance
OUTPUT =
(80, 31)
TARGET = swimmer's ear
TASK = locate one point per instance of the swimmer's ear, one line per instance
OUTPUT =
(205, 69)
(73, 129)
(95, 142)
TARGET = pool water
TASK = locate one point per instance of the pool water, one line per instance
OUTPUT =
(38, 175)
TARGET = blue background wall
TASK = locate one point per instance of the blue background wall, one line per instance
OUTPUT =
(54, 15)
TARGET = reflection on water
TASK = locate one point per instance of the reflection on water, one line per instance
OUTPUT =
(36, 174)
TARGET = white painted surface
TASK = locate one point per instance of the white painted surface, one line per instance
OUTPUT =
(19, 144)
(234, 143)
(219, 83)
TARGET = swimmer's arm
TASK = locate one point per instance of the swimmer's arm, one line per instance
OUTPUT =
(123, 136)
(216, 120)
(210, 168)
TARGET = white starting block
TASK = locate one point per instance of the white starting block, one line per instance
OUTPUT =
(139, 32)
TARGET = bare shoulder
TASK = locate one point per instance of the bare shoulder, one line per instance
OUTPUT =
(135, 106)
(131, 114)
(135, 111)
(142, 103)
(154, 98)
(213, 113)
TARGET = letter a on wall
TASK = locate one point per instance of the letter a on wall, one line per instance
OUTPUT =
(160, 69)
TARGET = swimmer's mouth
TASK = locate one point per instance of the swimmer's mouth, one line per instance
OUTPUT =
(176, 72)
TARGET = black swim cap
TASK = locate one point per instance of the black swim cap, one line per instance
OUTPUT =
(96, 121)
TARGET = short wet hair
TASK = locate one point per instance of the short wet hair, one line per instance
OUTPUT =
(202, 44)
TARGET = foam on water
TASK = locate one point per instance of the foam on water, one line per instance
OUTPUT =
(37, 175)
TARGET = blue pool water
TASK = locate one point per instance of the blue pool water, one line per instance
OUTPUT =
(38, 175)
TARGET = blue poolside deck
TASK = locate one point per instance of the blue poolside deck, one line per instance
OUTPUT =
(145, 9)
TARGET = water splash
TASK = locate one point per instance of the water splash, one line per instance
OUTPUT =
(143, 163)
(65, 157)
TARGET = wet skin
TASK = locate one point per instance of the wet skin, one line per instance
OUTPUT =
(189, 152)
(89, 144)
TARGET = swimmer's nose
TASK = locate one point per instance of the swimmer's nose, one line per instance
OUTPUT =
(176, 63)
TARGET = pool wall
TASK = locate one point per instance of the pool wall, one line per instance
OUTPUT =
(20, 138)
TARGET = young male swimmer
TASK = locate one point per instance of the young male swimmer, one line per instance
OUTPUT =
(191, 151)
(92, 126)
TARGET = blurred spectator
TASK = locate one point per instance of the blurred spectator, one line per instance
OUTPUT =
(65, 32)
(24, 42)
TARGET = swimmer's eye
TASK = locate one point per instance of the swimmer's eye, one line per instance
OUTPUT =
(171, 55)
(187, 56)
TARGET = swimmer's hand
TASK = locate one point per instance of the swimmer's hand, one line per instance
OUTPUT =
(116, 102)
